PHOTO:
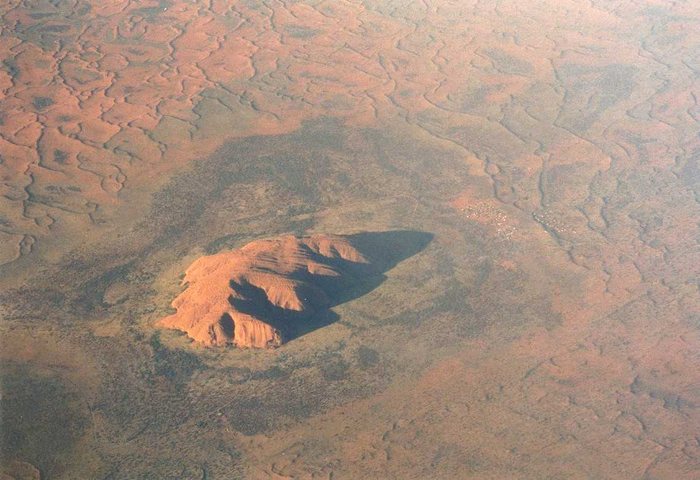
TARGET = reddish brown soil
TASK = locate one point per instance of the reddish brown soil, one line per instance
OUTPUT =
(549, 331)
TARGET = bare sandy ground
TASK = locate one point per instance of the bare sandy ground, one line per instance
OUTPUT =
(549, 150)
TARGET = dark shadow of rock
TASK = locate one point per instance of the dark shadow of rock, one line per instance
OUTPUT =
(384, 250)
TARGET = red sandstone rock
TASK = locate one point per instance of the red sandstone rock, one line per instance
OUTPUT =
(18, 470)
(248, 297)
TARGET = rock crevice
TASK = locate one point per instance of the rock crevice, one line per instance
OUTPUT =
(258, 295)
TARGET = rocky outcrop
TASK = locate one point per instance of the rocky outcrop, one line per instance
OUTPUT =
(18, 470)
(258, 295)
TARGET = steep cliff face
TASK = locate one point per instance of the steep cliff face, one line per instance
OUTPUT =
(253, 296)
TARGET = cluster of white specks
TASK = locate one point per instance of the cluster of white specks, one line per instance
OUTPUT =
(554, 223)
(491, 216)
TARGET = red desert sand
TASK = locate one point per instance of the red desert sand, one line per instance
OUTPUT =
(248, 296)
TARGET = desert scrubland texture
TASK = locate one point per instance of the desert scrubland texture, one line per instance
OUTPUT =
(525, 173)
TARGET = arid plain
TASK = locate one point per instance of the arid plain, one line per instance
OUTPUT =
(527, 170)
